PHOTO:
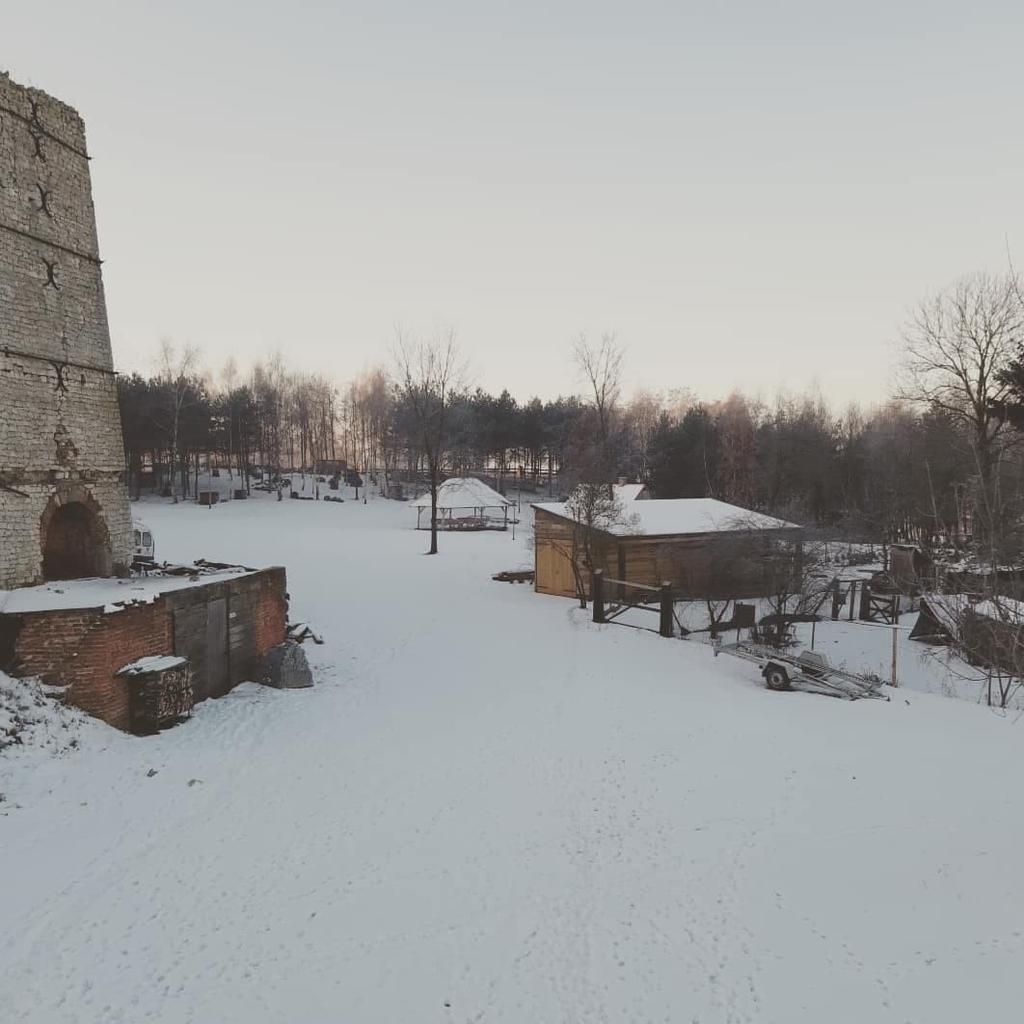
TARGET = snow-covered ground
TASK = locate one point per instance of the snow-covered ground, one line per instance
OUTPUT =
(490, 810)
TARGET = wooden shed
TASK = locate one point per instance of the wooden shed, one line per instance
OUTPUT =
(703, 547)
(631, 492)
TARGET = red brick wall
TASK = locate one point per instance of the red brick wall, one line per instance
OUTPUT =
(122, 637)
(270, 609)
(85, 648)
(46, 643)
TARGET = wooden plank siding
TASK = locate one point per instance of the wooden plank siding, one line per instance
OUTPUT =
(698, 565)
(552, 565)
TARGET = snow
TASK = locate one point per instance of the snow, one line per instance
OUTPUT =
(674, 516)
(489, 809)
(1004, 610)
(950, 609)
(33, 726)
(464, 492)
(110, 594)
(154, 663)
(628, 492)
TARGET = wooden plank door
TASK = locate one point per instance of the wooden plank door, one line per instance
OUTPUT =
(217, 678)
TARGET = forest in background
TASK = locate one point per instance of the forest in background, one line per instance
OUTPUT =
(929, 464)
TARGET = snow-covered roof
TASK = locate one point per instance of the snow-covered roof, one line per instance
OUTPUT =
(1002, 609)
(154, 663)
(464, 492)
(949, 609)
(109, 593)
(673, 516)
(628, 492)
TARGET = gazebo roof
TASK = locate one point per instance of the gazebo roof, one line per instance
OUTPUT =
(464, 492)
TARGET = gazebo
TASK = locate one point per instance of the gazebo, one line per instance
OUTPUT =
(464, 503)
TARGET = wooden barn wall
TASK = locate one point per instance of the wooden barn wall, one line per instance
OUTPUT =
(713, 566)
(553, 537)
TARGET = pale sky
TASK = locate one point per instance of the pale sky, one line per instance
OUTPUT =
(750, 194)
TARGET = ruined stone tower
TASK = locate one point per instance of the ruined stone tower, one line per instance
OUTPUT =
(63, 502)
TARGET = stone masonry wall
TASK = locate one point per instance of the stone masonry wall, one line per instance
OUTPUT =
(60, 428)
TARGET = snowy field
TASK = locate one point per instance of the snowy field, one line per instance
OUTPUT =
(490, 810)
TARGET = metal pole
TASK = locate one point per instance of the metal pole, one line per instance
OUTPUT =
(814, 623)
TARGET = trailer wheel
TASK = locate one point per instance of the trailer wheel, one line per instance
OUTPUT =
(776, 677)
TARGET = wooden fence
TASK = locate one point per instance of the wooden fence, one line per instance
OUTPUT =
(611, 598)
(872, 607)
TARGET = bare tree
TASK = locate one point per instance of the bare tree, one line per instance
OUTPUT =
(640, 420)
(601, 368)
(787, 569)
(992, 635)
(958, 344)
(177, 368)
(596, 515)
(430, 377)
(985, 630)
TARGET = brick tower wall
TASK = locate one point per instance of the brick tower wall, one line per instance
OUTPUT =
(60, 428)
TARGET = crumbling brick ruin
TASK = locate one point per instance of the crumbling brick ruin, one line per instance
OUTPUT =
(64, 509)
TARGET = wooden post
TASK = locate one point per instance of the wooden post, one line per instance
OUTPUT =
(597, 593)
(865, 603)
(666, 610)
(814, 623)
(895, 631)
(853, 595)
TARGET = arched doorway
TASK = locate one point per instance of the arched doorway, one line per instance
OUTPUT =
(74, 543)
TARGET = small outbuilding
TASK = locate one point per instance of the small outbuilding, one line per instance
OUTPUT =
(464, 503)
(631, 492)
(988, 633)
(703, 547)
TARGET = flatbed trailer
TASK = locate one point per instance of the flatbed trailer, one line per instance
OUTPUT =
(808, 671)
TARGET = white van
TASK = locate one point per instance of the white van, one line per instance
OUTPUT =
(143, 536)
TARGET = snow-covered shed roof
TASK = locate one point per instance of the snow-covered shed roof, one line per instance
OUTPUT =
(464, 492)
(669, 517)
(628, 492)
(152, 664)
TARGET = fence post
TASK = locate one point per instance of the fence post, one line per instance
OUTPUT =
(894, 633)
(864, 615)
(666, 610)
(597, 593)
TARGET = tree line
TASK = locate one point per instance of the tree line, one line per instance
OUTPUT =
(932, 463)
